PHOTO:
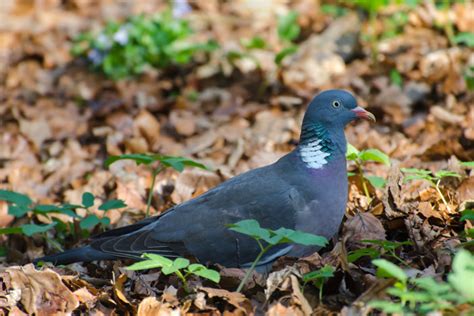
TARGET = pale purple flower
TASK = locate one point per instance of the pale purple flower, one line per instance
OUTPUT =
(181, 8)
(121, 36)
(95, 56)
(104, 41)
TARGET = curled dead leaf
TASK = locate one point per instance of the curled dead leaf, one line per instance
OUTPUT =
(362, 226)
(40, 292)
(237, 300)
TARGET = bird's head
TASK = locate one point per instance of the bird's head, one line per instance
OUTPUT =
(334, 109)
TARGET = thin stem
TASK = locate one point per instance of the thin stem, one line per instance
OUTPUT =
(252, 268)
(183, 279)
(321, 291)
(364, 182)
(154, 173)
(441, 195)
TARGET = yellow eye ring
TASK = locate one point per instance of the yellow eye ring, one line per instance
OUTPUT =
(336, 104)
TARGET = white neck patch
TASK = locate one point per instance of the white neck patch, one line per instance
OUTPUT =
(313, 155)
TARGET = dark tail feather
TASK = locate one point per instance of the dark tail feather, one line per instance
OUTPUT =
(83, 254)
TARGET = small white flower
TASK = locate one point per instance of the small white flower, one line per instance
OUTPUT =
(181, 8)
(95, 56)
(121, 36)
(104, 41)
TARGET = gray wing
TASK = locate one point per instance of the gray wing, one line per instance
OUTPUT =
(198, 226)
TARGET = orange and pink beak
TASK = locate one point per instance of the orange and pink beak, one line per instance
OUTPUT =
(363, 114)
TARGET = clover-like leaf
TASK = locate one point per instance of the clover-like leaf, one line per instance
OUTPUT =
(202, 271)
(376, 182)
(352, 153)
(467, 215)
(251, 228)
(89, 221)
(288, 235)
(388, 269)
(87, 199)
(15, 198)
(112, 204)
(374, 155)
(31, 229)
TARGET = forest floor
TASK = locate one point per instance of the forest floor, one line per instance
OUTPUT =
(233, 109)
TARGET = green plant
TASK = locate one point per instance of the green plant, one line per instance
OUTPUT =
(466, 38)
(387, 248)
(468, 215)
(19, 205)
(268, 238)
(333, 10)
(361, 158)
(288, 30)
(179, 266)
(126, 49)
(396, 78)
(318, 278)
(156, 163)
(434, 179)
(420, 296)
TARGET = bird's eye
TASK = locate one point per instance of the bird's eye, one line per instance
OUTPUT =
(336, 104)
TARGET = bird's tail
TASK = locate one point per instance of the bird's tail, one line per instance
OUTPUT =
(83, 254)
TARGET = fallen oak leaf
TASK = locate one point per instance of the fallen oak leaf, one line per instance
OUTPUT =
(237, 300)
(41, 292)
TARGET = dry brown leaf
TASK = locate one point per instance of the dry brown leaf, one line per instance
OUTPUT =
(40, 292)
(360, 227)
(148, 126)
(238, 300)
(279, 309)
(85, 297)
(150, 306)
(192, 182)
(119, 294)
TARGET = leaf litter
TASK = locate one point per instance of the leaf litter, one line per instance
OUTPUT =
(59, 121)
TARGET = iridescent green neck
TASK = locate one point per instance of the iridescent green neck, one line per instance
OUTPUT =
(316, 148)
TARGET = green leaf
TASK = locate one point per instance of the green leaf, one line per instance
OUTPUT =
(323, 273)
(287, 51)
(446, 173)
(416, 171)
(89, 221)
(87, 199)
(255, 42)
(363, 252)
(202, 271)
(17, 210)
(387, 268)
(152, 261)
(112, 204)
(288, 235)
(467, 215)
(287, 26)
(466, 38)
(49, 208)
(31, 229)
(462, 275)
(374, 155)
(352, 153)
(376, 182)
(251, 228)
(178, 163)
(180, 263)
(468, 164)
(16, 198)
(10, 230)
(387, 306)
(3, 251)
(396, 78)
(138, 158)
